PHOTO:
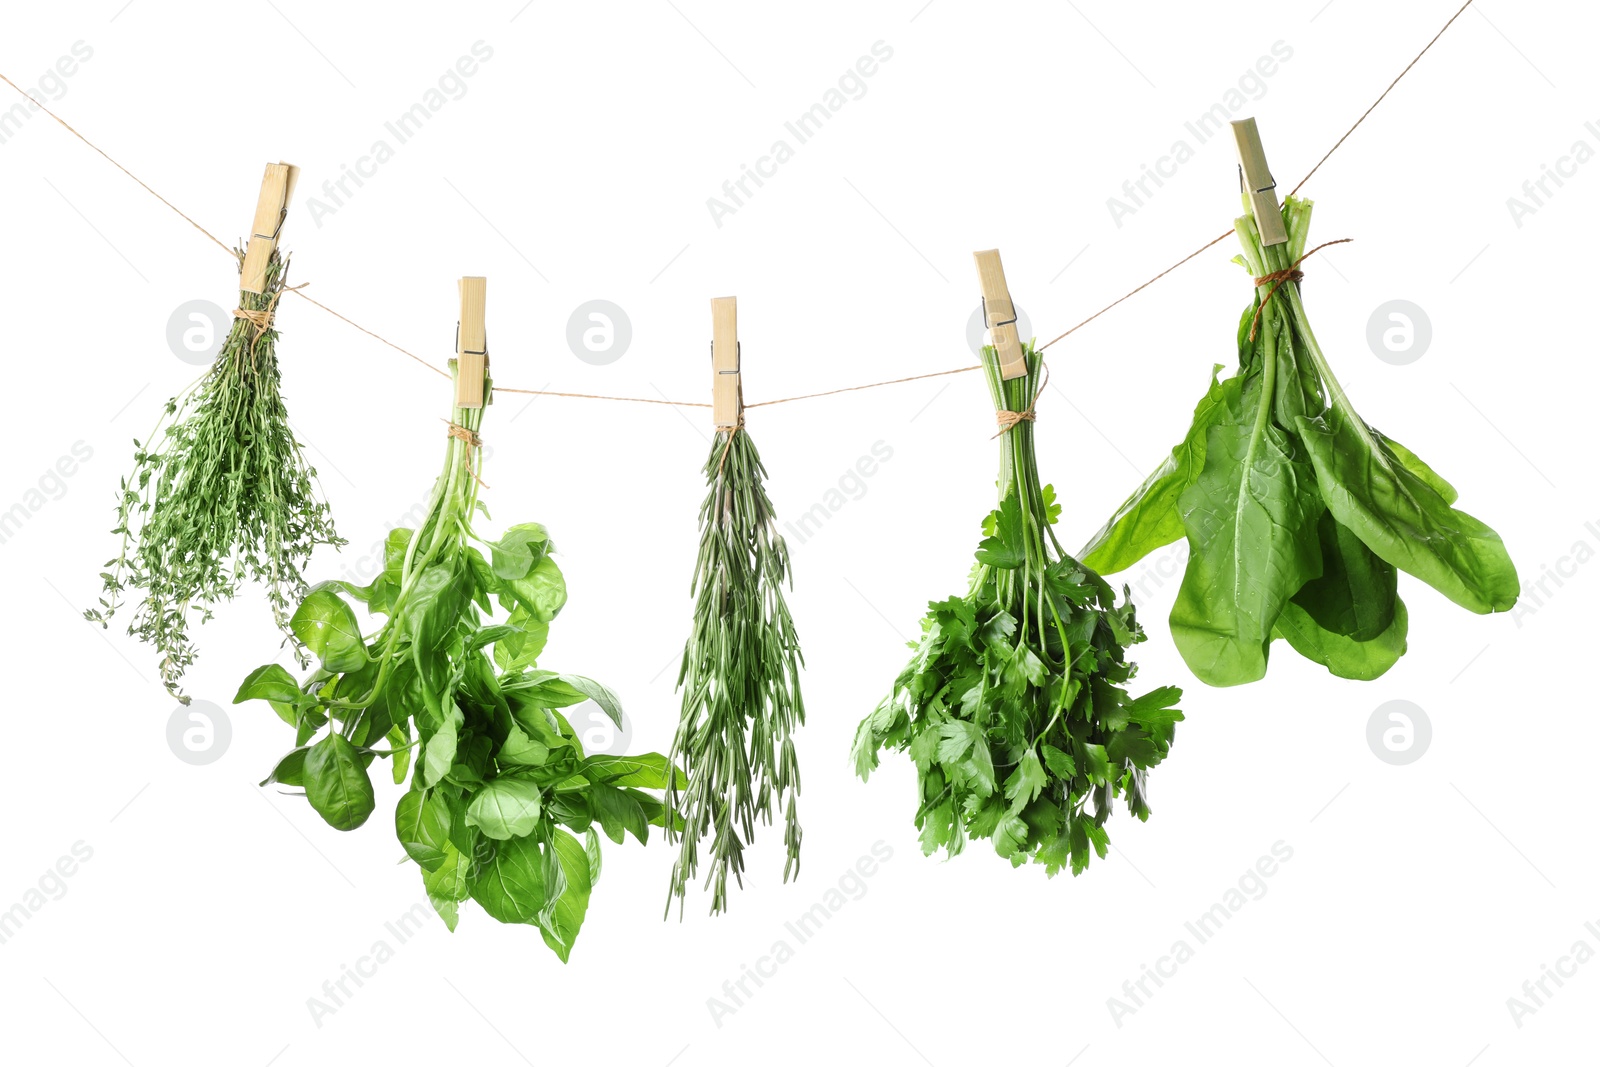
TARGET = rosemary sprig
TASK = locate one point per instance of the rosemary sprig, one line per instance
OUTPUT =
(220, 493)
(740, 680)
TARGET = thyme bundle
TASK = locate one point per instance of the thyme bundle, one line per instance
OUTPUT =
(220, 493)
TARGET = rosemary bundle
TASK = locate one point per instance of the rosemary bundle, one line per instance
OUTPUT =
(1013, 708)
(220, 493)
(740, 679)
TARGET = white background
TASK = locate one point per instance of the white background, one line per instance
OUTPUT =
(577, 166)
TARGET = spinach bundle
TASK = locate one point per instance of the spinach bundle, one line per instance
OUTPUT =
(740, 679)
(1297, 512)
(501, 784)
(1013, 708)
(222, 494)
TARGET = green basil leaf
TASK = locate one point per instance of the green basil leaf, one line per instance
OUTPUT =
(448, 884)
(399, 738)
(647, 771)
(483, 580)
(440, 751)
(290, 770)
(608, 701)
(505, 808)
(591, 845)
(510, 883)
(394, 555)
(422, 823)
(327, 626)
(542, 592)
(518, 550)
(337, 784)
(520, 750)
(559, 926)
(619, 812)
(270, 682)
(489, 635)
(521, 649)
(435, 605)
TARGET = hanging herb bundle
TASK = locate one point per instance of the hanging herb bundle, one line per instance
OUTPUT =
(740, 680)
(501, 784)
(220, 494)
(1297, 512)
(1014, 708)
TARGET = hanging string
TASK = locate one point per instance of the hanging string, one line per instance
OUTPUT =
(1381, 95)
(120, 167)
(369, 333)
(1228, 233)
(783, 400)
(599, 396)
(869, 385)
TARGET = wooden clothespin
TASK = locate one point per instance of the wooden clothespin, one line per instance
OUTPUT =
(472, 346)
(1000, 314)
(1258, 182)
(727, 396)
(277, 186)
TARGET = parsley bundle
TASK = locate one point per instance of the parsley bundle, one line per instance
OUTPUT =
(1013, 708)
(740, 679)
(220, 493)
(1298, 513)
(501, 785)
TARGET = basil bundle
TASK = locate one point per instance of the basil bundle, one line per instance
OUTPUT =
(220, 492)
(1298, 513)
(502, 784)
(1013, 708)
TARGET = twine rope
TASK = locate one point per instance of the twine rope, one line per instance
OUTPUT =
(1291, 273)
(472, 441)
(783, 400)
(1008, 420)
(261, 320)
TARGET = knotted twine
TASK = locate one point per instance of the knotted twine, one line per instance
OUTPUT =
(471, 440)
(261, 319)
(1007, 420)
(1291, 273)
